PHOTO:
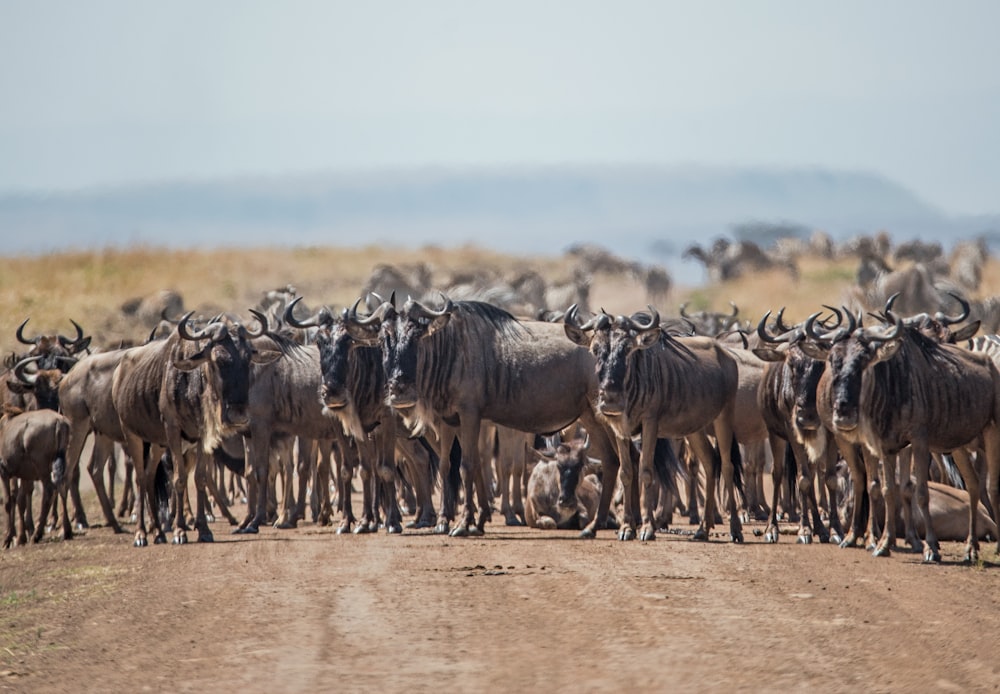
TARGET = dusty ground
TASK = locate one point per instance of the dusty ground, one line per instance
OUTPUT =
(516, 610)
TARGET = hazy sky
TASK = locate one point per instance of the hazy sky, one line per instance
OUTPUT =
(95, 93)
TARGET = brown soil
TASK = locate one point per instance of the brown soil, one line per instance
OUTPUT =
(516, 610)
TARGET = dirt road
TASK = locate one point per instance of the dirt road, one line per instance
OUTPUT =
(516, 610)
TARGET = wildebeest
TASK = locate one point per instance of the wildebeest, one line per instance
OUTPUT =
(469, 361)
(189, 388)
(656, 385)
(563, 491)
(787, 398)
(887, 388)
(32, 449)
(353, 392)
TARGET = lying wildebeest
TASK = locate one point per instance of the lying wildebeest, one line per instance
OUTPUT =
(563, 489)
(32, 449)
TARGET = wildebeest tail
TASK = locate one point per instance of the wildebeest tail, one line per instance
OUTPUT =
(791, 467)
(455, 473)
(736, 455)
(951, 470)
(667, 466)
(59, 468)
(162, 491)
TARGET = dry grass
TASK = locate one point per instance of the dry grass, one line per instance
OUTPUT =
(90, 287)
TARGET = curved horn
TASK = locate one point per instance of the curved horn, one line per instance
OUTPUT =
(684, 306)
(736, 310)
(19, 368)
(262, 319)
(894, 332)
(572, 319)
(20, 334)
(654, 320)
(779, 322)
(838, 314)
(70, 343)
(810, 328)
(375, 317)
(762, 330)
(424, 312)
(889, 302)
(184, 331)
(951, 320)
(289, 316)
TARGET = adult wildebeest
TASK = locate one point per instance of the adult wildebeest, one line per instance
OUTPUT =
(32, 448)
(353, 392)
(469, 361)
(656, 385)
(189, 388)
(887, 388)
(787, 398)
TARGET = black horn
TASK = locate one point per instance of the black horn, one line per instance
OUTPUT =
(69, 343)
(951, 320)
(23, 377)
(20, 335)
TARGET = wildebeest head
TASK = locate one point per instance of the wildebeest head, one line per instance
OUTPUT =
(399, 334)
(42, 383)
(802, 372)
(849, 352)
(334, 342)
(612, 341)
(51, 348)
(571, 459)
(228, 355)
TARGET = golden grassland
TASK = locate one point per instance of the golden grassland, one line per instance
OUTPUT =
(91, 286)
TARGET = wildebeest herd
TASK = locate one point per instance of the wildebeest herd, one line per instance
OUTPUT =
(584, 420)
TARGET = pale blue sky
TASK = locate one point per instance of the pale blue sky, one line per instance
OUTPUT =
(97, 93)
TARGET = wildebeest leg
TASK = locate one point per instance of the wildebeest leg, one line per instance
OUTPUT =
(889, 488)
(417, 465)
(449, 493)
(202, 479)
(135, 449)
(306, 466)
(26, 524)
(603, 447)
(8, 508)
(324, 471)
(103, 450)
(779, 449)
(851, 454)
(876, 514)
(807, 493)
(649, 486)
(183, 462)
(384, 459)
(972, 486)
(630, 501)
(728, 448)
(702, 449)
(991, 438)
(213, 488)
(921, 470)
(347, 463)
(258, 453)
(829, 465)
(469, 425)
(48, 490)
(127, 505)
(904, 462)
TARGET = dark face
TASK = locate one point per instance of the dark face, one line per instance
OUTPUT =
(401, 344)
(611, 348)
(847, 362)
(571, 459)
(232, 357)
(804, 374)
(334, 345)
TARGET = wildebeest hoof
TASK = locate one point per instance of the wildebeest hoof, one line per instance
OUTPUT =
(476, 531)
(362, 529)
(441, 528)
(647, 535)
(882, 551)
(932, 556)
(805, 539)
(343, 529)
(771, 536)
(287, 525)
(206, 536)
(249, 530)
(140, 541)
(180, 538)
(394, 529)
(460, 531)
(836, 539)
(513, 521)
(587, 534)
(700, 535)
(81, 525)
(737, 537)
(626, 534)
(160, 539)
(133, 518)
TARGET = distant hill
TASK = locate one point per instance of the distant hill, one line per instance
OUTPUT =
(638, 211)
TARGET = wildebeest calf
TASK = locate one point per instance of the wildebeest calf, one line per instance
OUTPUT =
(33, 448)
(561, 493)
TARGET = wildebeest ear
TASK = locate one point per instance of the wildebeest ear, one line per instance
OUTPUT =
(194, 361)
(886, 350)
(580, 337)
(265, 356)
(648, 338)
(438, 323)
(966, 331)
(768, 353)
(19, 387)
(83, 345)
(817, 352)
